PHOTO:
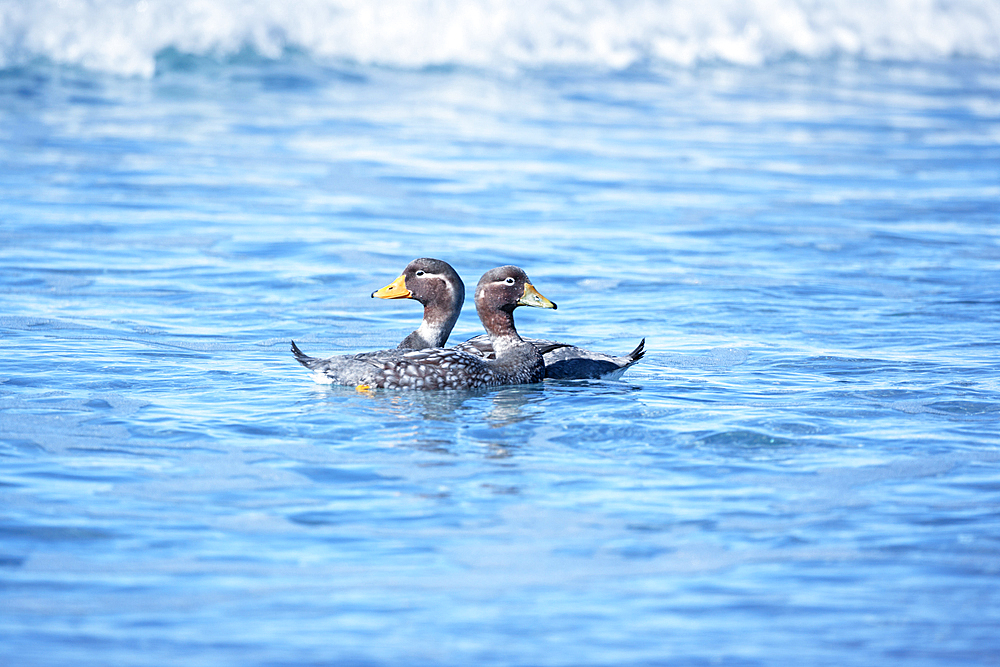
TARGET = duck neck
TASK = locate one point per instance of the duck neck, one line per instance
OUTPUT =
(435, 328)
(499, 324)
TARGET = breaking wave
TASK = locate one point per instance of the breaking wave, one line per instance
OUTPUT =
(126, 36)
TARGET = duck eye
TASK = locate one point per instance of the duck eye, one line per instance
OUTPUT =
(509, 281)
(419, 273)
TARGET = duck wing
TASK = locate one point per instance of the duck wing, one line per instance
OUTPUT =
(568, 362)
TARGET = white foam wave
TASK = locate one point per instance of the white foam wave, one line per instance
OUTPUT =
(124, 36)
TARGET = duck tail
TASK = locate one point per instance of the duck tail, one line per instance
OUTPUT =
(635, 355)
(302, 357)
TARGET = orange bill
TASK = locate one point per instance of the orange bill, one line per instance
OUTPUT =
(394, 290)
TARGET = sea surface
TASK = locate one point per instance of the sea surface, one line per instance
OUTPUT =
(796, 204)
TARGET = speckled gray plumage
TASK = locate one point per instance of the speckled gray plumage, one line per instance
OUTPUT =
(431, 368)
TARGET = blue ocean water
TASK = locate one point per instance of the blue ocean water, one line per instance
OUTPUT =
(795, 204)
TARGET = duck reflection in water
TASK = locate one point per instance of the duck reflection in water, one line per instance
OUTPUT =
(496, 406)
